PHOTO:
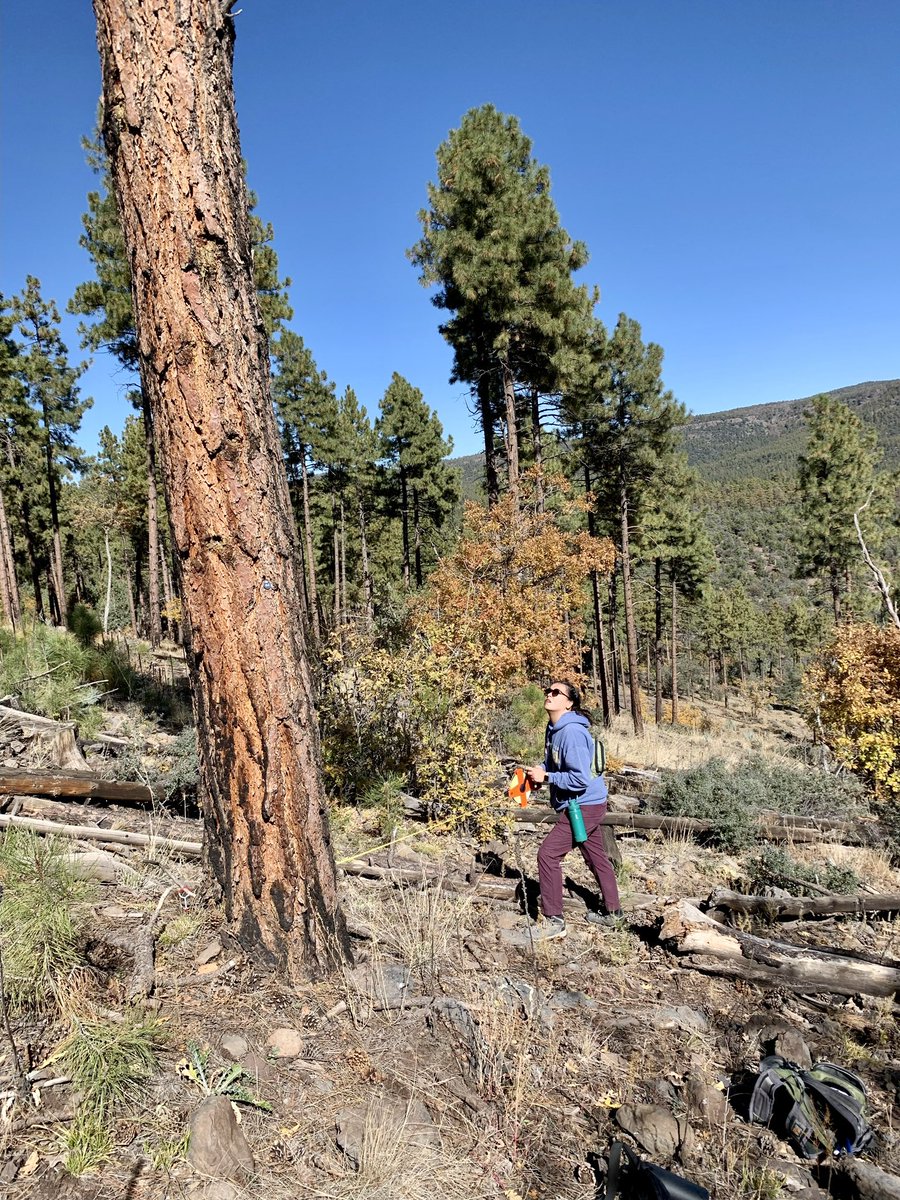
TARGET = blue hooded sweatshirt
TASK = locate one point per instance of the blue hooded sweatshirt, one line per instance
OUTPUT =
(568, 759)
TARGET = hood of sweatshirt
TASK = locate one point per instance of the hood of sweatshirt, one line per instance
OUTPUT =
(568, 718)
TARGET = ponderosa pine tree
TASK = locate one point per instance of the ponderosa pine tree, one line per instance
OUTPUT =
(413, 449)
(493, 246)
(52, 391)
(359, 455)
(674, 536)
(631, 432)
(13, 412)
(203, 351)
(837, 473)
(306, 408)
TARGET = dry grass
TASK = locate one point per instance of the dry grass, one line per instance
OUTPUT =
(873, 866)
(718, 733)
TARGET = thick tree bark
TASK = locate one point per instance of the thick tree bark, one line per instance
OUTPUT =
(617, 688)
(600, 639)
(58, 607)
(171, 136)
(155, 621)
(637, 718)
(487, 428)
(109, 573)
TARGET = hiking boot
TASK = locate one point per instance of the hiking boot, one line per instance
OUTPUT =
(607, 920)
(549, 928)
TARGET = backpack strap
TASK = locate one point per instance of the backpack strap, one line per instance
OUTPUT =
(614, 1168)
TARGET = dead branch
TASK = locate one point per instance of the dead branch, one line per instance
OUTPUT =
(93, 834)
(880, 582)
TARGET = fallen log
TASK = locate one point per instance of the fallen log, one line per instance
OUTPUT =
(867, 1181)
(772, 907)
(699, 938)
(91, 833)
(80, 784)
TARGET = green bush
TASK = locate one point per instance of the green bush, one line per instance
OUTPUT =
(774, 867)
(731, 798)
(518, 726)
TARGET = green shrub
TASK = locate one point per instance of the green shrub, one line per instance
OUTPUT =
(40, 921)
(518, 725)
(774, 867)
(731, 798)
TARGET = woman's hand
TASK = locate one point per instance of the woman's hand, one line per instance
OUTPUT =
(536, 774)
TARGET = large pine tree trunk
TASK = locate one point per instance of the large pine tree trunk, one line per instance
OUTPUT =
(171, 137)
(618, 689)
(630, 631)
(599, 639)
(155, 621)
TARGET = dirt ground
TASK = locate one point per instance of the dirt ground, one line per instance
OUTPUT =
(455, 1058)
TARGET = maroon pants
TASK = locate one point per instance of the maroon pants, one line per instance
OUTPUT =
(557, 844)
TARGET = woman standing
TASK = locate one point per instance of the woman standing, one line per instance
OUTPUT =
(567, 768)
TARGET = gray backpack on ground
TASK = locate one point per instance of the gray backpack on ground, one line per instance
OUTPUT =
(821, 1111)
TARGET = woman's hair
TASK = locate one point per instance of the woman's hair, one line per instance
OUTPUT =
(575, 696)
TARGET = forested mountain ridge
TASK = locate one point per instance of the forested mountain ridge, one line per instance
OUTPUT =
(765, 439)
(761, 440)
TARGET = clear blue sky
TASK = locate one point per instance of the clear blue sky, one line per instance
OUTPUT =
(733, 167)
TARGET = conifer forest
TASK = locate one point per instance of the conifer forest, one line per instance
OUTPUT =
(268, 657)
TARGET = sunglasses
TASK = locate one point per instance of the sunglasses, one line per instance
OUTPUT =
(555, 691)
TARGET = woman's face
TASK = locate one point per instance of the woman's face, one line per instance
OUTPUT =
(556, 701)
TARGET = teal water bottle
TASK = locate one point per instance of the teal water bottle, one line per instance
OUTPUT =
(576, 820)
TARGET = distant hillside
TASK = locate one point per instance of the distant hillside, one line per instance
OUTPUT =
(758, 442)
(765, 439)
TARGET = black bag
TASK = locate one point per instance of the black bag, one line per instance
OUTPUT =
(821, 1111)
(646, 1181)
